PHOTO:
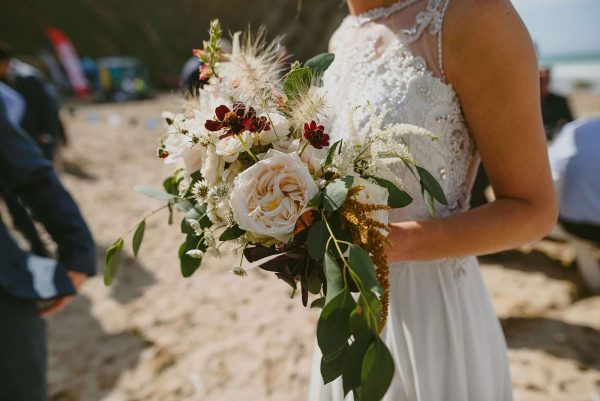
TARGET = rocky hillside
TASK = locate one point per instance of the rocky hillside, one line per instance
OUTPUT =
(163, 32)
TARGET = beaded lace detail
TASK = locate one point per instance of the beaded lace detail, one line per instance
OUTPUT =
(379, 12)
(372, 66)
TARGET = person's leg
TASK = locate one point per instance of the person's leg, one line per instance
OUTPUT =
(22, 350)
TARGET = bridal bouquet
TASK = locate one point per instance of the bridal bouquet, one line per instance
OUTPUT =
(254, 167)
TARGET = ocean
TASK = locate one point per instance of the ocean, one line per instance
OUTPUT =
(570, 72)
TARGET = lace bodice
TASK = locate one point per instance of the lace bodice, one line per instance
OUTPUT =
(392, 57)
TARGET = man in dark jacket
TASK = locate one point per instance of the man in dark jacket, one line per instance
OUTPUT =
(31, 285)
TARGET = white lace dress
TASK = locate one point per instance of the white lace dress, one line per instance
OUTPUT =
(442, 329)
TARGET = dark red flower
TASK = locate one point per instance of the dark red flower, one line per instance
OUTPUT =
(236, 121)
(315, 134)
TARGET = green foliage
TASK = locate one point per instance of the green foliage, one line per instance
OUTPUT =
(317, 240)
(154, 193)
(333, 275)
(333, 329)
(377, 372)
(113, 260)
(313, 281)
(320, 63)
(232, 233)
(188, 264)
(138, 236)
(330, 153)
(351, 373)
(430, 185)
(297, 82)
(397, 198)
(332, 368)
(362, 266)
(336, 193)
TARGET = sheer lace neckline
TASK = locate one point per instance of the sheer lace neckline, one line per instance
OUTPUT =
(379, 13)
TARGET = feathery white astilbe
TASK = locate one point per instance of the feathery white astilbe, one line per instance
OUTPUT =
(254, 69)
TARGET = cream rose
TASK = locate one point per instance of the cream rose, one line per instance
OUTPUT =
(271, 195)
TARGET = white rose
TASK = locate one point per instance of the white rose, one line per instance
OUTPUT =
(373, 194)
(280, 129)
(193, 158)
(313, 158)
(230, 147)
(271, 195)
(287, 146)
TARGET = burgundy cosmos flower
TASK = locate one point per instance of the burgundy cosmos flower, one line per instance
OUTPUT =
(315, 134)
(236, 121)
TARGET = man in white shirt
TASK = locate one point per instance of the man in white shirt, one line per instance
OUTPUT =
(575, 160)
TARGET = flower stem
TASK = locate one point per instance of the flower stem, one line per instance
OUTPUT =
(303, 148)
(247, 148)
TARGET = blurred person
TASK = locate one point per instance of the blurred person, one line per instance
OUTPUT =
(555, 108)
(41, 119)
(31, 286)
(575, 160)
(191, 79)
(15, 109)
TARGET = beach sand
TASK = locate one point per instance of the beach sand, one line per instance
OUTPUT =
(155, 336)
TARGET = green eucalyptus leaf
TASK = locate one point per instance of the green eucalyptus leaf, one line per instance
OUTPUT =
(377, 372)
(138, 236)
(317, 240)
(351, 372)
(368, 301)
(316, 200)
(333, 275)
(360, 262)
(232, 233)
(188, 264)
(184, 205)
(332, 368)
(318, 303)
(320, 63)
(332, 328)
(432, 186)
(113, 260)
(397, 198)
(331, 153)
(336, 193)
(154, 193)
(170, 207)
(314, 281)
(297, 82)
(170, 185)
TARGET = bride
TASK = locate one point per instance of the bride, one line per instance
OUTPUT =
(466, 70)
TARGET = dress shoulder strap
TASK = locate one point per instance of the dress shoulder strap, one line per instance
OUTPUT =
(440, 23)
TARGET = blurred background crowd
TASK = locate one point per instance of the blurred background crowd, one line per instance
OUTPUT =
(87, 82)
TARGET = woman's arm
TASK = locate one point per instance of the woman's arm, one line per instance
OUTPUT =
(490, 60)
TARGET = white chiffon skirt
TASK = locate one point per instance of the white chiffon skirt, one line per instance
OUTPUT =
(444, 335)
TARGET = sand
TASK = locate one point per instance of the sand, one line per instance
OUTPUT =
(155, 336)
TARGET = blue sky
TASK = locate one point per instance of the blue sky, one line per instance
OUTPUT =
(562, 26)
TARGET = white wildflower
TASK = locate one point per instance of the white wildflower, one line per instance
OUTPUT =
(201, 190)
(195, 224)
(195, 254)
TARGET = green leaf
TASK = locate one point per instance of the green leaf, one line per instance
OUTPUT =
(362, 265)
(113, 260)
(358, 325)
(184, 205)
(336, 193)
(170, 185)
(430, 184)
(232, 233)
(297, 82)
(188, 264)
(317, 240)
(377, 372)
(318, 303)
(332, 368)
(353, 364)
(154, 193)
(170, 206)
(314, 281)
(320, 63)
(316, 200)
(369, 300)
(397, 198)
(138, 236)
(330, 153)
(332, 328)
(333, 275)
